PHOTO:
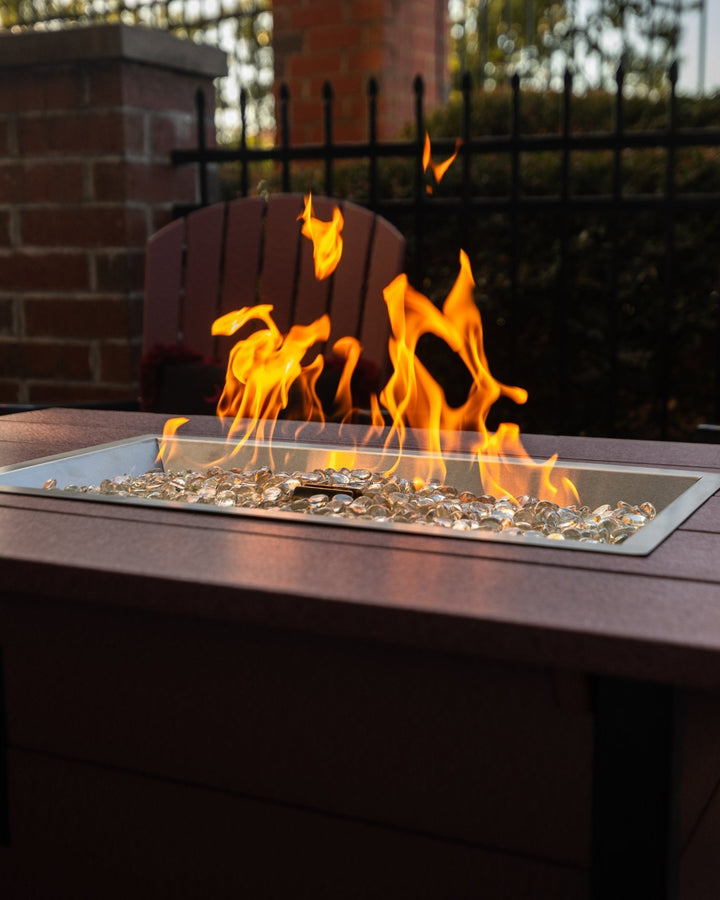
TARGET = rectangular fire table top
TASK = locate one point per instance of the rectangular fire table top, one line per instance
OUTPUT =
(655, 617)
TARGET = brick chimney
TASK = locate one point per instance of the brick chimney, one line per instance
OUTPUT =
(348, 41)
(88, 117)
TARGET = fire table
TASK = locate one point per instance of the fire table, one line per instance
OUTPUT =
(201, 705)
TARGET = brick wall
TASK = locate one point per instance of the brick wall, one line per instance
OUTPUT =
(88, 118)
(347, 42)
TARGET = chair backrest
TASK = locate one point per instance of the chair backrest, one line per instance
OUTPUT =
(251, 251)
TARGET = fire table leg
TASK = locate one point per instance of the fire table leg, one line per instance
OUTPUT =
(636, 784)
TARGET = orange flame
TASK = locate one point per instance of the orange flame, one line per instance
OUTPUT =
(169, 430)
(268, 374)
(499, 477)
(439, 169)
(266, 370)
(412, 396)
(415, 399)
(326, 238)
(264, 367)
(349, 349)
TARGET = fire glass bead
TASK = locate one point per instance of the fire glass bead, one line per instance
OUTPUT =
(317, 500)
(272, 494)
(648, 509)
(382, 498)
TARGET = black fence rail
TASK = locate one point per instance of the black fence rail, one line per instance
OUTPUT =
(603, 354)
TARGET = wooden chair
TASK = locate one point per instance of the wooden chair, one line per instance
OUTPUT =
(243, 253)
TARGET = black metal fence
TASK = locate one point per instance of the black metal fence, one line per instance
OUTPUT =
(600, 352)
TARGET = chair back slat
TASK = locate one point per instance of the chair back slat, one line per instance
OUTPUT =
(163, 285)
(348, 281)
(312, 295)
(243, 245)
(244, 224)
(385, 263)
(280, 256)
(204, 251)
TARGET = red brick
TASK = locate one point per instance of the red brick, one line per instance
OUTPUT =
(368, 60)
(4, 136)
(8, 182)
(168, 133)
(336, 38)
(120, 181)
(61, 88)
(48, 182)
(346, 84)
(323, 65)
(68, 271)
(7, 317)
(120, 271)
(313, 89)
(82, 226)
(57, 392)
(308, 113)
(360, 10)
(5, 236)
(395, 41)
(353, 107)
(9, 390)
(317, 14)
(105, 83)
(85, 133)
(42, 88)
(85, 318)
(46, 359)
(119, 362)
(110, 179)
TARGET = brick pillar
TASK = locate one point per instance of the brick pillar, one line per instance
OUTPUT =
(347, 42)
(88, 118)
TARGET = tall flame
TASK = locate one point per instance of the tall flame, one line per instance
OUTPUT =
(264, 367)
(415, 399)
(326, 238)
(412, 396)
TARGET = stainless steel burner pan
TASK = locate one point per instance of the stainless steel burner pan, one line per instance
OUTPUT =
(676, 494)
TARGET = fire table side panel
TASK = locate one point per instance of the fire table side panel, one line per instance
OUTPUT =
(518, 606)
(688, 554)
(115, 815)
(450, 747)
(427, 746)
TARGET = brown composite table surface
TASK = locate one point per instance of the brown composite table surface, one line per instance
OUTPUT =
(656, 617)
(649, 621)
